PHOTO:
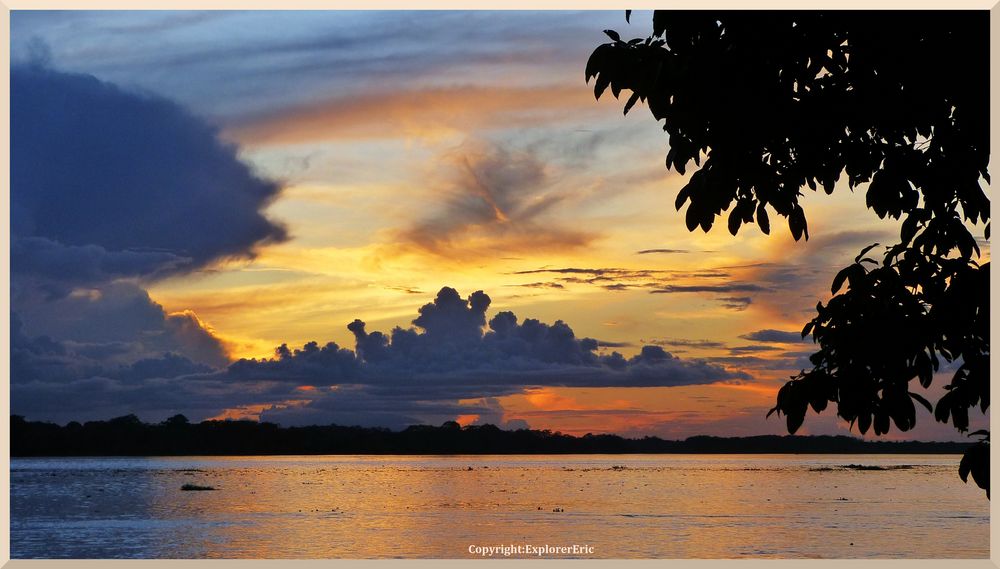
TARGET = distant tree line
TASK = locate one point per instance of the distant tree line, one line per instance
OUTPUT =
(128, 436)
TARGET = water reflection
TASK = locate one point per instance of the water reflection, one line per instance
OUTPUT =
(671, 506)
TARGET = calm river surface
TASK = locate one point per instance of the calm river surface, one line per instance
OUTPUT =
(621, 506)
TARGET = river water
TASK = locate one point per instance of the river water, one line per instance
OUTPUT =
(608, 506)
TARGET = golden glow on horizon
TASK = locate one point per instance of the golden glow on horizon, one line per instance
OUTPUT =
(400, 209)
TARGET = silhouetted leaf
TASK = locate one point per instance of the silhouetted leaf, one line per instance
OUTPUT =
(631, 102)
(881, 423)
(960, 417)
(864, 422)
(682, 197)
(976, 461)
(863, 251)
(691, 218)
(735, 221)
(603, 80)
(613, 35)
(762, 220)
(793, 421)
(596, 60)
(920, 399)
(797, 223)
(807, 329)
(838, 281)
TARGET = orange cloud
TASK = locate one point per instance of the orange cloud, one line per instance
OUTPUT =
(253, 412)
(429, 112)
(466, 420)
(548, 399)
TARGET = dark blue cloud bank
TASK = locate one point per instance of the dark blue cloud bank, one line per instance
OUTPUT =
(107, 183)
(452, 361)
(112, 189)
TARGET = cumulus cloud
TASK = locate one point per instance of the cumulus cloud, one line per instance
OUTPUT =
(453, 352)
(120, 313)
(455, 360)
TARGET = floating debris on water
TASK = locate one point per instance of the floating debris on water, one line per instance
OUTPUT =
(196, 488)
(861, 467)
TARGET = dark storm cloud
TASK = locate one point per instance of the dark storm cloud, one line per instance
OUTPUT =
(111, 188)
(128, 184)
(84, 264)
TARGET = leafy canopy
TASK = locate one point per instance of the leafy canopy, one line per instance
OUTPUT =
(770, 103)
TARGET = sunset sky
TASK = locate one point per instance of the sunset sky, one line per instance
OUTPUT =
(377, 158)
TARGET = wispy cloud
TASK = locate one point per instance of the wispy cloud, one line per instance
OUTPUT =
(728, 287)
(421, 113)
(776, 336)
(493, 200)
(670, 251)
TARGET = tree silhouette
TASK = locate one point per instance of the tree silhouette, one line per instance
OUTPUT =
(769, 103)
